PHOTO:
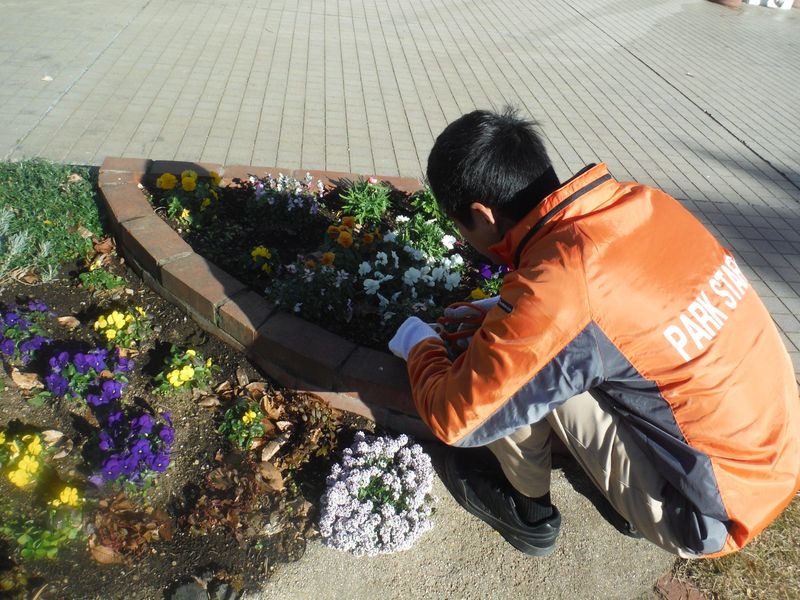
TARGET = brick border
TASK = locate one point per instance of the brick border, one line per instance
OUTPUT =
(298, 354)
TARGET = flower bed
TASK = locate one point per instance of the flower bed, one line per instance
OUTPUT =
(356, 257)
(123, 442)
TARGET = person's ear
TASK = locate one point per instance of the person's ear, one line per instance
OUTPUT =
(481, 211)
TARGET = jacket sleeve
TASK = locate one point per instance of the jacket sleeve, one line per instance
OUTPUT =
(533, 351)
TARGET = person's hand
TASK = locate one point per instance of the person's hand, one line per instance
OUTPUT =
(470, 322)
(409, 334)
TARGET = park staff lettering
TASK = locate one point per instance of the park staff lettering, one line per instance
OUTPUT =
(703, 319)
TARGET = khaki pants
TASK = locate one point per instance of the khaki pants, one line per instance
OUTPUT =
(607, 452)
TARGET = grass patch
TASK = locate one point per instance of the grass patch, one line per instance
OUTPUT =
(47, 213)
(769, 567)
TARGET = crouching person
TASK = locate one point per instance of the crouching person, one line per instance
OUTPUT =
(626, 330)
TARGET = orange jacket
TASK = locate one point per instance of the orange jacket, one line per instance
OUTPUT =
(619, 289)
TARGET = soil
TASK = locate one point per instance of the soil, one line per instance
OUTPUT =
(240, 543)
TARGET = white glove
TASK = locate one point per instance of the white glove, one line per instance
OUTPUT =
(409, 334)
(463, 311)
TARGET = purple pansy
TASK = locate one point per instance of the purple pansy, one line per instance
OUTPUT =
(37, 306)
(111, 390)
(105, 443)
(8, 347)
(142, 425)
(112, 468)
(158, 462)
(57, 385)
(167, 435)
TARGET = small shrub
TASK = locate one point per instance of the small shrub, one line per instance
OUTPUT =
(243, 423)
(378, 498)
(97, 377)
(22, 331)
(367, 200)
(123, 329)
(100, 279)
(184, 370)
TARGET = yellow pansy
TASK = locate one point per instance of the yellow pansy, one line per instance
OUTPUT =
(28, 464)
(166, 182)
(261, 251)
(111, 334)
(215, 178)
(141, 312)
(478, 294)
(349, 222)
(174, 378)
(14, 448)
(2, 437)
(101, 323)
(205, 203)
(266, 268)
(333, 231)
(310, 263)
(118, 318)
(187, 373)
(189, 174)
(69, 496)
(368, 238)
(209, 362)
(188, 184)
(19, 478)
(248, 417)
(185, 214)
(327, 258)
(215, 194)
(191, 353)
(34, 444)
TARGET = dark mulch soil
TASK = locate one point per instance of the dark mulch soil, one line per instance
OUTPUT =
(237, 544)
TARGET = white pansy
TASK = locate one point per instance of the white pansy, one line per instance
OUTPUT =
(449, 242)
(396, 260)
(411, 276)
(390, 236)
(298, 307)
(371, 286)
(402, 219)
(457, 260)
(364, 268)
(438, 273)
(381, 259)
(452, 280)
(383, 301)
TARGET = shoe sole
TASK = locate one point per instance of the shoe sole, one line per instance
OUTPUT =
(545, 547)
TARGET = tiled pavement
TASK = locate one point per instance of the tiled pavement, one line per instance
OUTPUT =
(684, 94)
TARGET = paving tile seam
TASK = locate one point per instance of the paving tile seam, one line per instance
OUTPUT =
(72, 84)
(350, 377)
(688, 98)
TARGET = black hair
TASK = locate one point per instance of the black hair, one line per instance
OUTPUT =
(497, 159)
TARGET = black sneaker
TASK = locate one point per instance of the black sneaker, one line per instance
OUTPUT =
(481, 489)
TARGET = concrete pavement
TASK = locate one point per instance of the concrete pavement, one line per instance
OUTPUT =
(683, 94)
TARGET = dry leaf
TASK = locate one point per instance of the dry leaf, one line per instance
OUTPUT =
(74, 178)
(26, 381)
(81, 231)
(67, 447)
(30, 278)
(51, 436)
(208, 401)
(272, 476)
(69, 322)
(271, 449)
(256, 389)
(284, 425)
(104, 246)
(105, 555)
(269, 409)
(241, 376)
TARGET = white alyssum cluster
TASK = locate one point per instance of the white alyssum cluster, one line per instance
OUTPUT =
(378, 498)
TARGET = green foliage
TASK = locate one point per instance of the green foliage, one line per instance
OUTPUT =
(381, 494)
(426, 204)
(366, 201)
(46, 210)
(184, 370)
(100, 279)
(243, 423)
(42, 535)
(426, 235)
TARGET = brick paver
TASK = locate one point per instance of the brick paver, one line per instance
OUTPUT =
(684, 94)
